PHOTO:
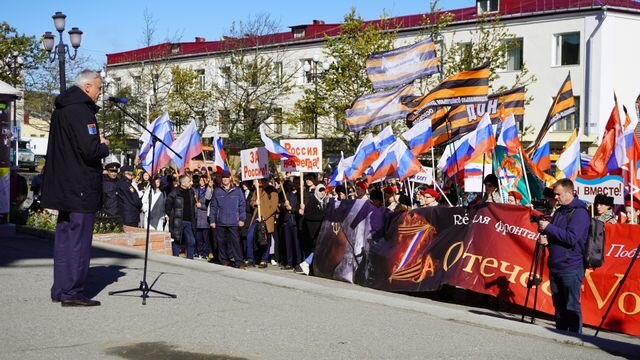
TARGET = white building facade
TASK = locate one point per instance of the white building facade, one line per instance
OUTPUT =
(591, 40)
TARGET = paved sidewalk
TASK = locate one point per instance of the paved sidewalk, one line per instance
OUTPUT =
(254, 314)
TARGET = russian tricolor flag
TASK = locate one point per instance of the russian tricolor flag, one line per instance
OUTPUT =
(509, 135)
(340, 174)
(384, 166)
(542, 155)
(419, 137)
(276, 151)
(219, 156)
(568, 164)
(407, 164)
(384, 139)
(482, 139)
(162, 128)
(365, 155)
(186, 145)
(456, 156)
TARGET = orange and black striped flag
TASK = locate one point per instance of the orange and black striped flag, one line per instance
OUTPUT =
(465, 87)
(563, 105)
(464, 118)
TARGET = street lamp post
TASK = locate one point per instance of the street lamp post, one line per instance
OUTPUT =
(313, 67)
(15, 64)
(48, 40)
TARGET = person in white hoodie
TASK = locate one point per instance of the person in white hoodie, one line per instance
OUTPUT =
(158, 217)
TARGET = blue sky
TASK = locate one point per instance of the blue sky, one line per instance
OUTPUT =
(116, 25)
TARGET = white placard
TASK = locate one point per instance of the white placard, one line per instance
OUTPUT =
(424, 177)
(473, 176)
(309, 151)
(610, 185)
(255, 163)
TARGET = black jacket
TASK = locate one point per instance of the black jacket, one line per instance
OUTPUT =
(110, 195)
(129, 202)
(73, 171)
(174, 207)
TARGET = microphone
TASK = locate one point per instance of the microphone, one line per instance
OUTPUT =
(117, 100)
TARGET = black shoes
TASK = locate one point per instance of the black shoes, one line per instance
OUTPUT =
(80, 302)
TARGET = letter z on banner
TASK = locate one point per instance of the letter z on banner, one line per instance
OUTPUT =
(255, 163)
(309, 151)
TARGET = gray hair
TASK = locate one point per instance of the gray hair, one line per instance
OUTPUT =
(86, 76)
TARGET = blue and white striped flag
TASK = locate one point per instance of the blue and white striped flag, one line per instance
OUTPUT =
(393, 68)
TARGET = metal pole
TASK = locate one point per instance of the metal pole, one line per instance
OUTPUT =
(315, 104)
(61, 65)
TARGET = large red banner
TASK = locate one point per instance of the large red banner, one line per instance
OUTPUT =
(490, 250)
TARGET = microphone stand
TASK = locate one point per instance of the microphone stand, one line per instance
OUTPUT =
(144, 287)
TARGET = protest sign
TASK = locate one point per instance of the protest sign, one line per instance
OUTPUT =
(308, 151)
(610, 185)
(255, 163)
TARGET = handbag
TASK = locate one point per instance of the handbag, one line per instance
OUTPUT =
(261, 234)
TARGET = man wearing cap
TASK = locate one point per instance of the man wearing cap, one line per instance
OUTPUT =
(227, 214)
(110, 187)
(72, 185)
(361, 190)
(603, 205)
(129, 201)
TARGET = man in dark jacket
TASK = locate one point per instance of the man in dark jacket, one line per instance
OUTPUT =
(181, 208)
(227, 214)
(566, 235)
(129, 202)
(109, 188)
(72, 185)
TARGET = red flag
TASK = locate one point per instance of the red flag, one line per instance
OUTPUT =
(598, 164)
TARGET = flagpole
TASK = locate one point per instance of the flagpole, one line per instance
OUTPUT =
(301, 188)
(493, 153)
(433, 179)
(257, 184)
(484, 156)
(205, 164)
(524, 173)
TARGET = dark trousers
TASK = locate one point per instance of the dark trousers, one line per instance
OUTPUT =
(291, 243)
(229, 248)
(565, 293)
(71, 254)
(188, 241)
(203, 247)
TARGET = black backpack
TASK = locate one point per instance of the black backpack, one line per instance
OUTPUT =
(593, 253)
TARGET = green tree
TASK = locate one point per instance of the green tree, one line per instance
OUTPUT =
(345, 80)
(253, 82)
(14, 45)
(190, 97)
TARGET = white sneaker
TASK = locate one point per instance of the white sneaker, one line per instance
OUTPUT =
(274, 263)
(304, 267)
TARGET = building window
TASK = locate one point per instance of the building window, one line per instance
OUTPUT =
(137, 85)
(307, 75)
(485, 6)
(253, 76)
(278, 72)
(514, 55)
(117, 83)
(340, 125)
(201, 79)
(224, 121)
(276, 115)
(306, 126)
(567, 49)
(570, 122)
(225, 76)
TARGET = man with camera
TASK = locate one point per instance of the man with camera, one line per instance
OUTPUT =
(566, 236)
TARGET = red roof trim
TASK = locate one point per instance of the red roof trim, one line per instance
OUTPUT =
(524, 8)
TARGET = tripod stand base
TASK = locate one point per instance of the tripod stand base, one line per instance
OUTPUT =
(145, 289)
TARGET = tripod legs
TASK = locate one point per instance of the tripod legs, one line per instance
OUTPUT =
(615, 296)
(534, 279)
(145, 289)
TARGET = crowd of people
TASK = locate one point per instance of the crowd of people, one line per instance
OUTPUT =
(214, 216)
